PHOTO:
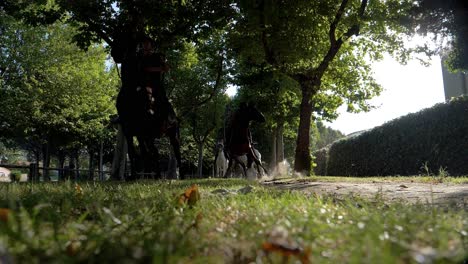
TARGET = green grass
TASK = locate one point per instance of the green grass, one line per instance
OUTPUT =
(143, 222)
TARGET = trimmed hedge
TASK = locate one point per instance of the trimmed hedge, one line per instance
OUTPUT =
(436, 137)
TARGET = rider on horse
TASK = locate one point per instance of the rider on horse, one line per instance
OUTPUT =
(151, 67)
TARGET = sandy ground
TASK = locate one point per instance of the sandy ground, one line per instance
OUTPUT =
(453, 195)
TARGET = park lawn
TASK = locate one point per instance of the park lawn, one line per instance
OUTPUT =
(232, 221)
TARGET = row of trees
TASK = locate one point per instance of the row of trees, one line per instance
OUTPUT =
(298, 60)
(55, 98)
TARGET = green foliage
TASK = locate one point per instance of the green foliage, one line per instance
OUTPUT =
(325, 46)
(293, 38)
(326, 135)
(423, 142)
(445, 22)
(320, 158)
(53, 92)
(197, 88)
(15, 175)
(142, 223)
(169, 23)
(277, 96)
(322, 137)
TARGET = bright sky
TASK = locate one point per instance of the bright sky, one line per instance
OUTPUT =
(407, 89)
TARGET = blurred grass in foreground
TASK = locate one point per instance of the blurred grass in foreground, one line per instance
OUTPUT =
(233, 221)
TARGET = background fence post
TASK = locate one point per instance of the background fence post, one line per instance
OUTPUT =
(33, 172)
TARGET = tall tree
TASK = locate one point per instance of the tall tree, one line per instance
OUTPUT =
(324, 45)
(53, 93)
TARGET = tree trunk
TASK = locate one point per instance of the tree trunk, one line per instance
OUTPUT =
(200, 159)
(71, 167)
(45, 161)
(77, 163)
(120, 154)
(91, 165)
(101, 157)
(279, 143)
(61, 161)
(302, 160)
(273, 160)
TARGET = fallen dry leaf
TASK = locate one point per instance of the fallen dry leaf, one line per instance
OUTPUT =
(284, 249)
(287, 251)
(4, 214)
(72, 247)
(279, 242)
(190, 196)
(78, 190)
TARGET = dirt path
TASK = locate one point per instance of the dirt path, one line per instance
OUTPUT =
(433, 193)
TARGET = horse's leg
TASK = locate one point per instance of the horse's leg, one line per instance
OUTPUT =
(132, 156)
(259, 164)
(244, 168)
(250, 160)
(217, 168)
(150, 157)
(229, 168)
(155, 160)
(174, 138)
(223, 167)
(253, 158)
(142, 145)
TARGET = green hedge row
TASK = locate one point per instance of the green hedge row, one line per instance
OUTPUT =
(432, 139)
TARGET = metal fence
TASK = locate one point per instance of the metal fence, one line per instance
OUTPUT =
(36, 173)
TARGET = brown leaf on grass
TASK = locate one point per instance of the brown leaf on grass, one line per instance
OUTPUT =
(287, 251)
(279, 242)
(190, 196)
(72, 247)
(4, 214)
(283, 249)
(78, 190)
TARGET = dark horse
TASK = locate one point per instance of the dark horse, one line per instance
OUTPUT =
(239, 139)
(144, 110)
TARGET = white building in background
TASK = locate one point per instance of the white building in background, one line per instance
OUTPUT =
(455, 84)
(4, 174)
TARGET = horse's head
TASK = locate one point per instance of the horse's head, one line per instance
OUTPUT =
(219, 145)
(250, 112)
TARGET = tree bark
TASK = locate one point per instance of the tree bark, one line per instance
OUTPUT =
(45, 161)
(302, 157)
(101, 157)
(273, 160)
(61, 161)
(279, 143)
(91, 165)
(120, 153)
(200, 159)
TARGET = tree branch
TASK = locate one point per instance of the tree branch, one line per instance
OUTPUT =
(213, 91)
(335, 44)
(269, 56)
(336, 20)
